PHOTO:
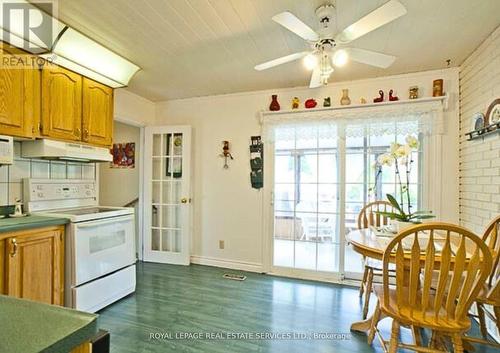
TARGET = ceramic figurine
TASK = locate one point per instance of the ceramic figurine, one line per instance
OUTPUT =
(413, 92)
(310, 103)
(380, 98)
(391, 97)
(437, 88)
(345, 100)
(295, 103)
(274, 106)
(327, 102)
(362, 100)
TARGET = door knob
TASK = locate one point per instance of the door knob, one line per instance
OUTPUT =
(184, 200)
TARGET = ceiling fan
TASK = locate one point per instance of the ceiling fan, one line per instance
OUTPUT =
(327, 46)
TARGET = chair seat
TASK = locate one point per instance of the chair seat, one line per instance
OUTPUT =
(414, 315)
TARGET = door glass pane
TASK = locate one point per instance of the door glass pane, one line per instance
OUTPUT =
(306, 176)
(155, 239)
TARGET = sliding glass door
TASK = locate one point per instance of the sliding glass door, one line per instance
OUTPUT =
(323, 177)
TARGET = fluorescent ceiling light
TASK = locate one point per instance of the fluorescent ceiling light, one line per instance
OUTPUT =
(64, 46)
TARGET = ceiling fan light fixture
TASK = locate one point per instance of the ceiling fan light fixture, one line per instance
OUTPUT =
(310, 61)
(340, 58)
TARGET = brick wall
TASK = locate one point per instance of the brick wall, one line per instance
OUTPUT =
(479, 159)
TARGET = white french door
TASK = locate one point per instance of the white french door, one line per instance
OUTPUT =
(167, 200)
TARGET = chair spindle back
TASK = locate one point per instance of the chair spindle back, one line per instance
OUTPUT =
(460, 257)
(368, 215)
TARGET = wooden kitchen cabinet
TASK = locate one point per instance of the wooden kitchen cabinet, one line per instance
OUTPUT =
(97, 113)
(61, 116)
(34, 265)
(19, 93)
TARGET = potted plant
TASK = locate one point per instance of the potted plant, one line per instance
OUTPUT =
(401, 156)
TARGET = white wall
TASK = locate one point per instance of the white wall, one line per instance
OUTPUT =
(133, 109)
(121, 185)
(226, 207)
(479, 159)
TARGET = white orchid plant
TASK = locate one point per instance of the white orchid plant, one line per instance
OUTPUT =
(400, 155)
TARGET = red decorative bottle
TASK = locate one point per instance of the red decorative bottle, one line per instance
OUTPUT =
(274, 106)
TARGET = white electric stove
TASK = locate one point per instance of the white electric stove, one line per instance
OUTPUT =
(100, 241)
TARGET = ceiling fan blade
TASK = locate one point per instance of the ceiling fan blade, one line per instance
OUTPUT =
(381, 16)
(293, 24)
(279, 61)
(369, 57)
(315, 78)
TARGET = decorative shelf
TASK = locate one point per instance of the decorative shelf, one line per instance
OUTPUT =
(444, 99)
(485, 131)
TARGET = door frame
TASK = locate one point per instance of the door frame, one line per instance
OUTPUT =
(140, 159)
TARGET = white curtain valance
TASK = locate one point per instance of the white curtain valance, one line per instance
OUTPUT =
(372, 120)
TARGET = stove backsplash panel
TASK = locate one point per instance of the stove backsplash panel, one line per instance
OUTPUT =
(11, 176)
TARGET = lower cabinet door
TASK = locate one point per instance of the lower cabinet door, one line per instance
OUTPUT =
(35, 265)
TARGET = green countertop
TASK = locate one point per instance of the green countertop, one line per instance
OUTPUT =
(12, 224)
(31, 327)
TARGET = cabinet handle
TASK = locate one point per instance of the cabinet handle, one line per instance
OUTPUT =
(14, 247)
(85, 133)
(78, 132)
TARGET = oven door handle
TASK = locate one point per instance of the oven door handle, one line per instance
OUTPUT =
(104, 221)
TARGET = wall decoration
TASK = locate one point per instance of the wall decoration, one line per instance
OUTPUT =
(295, 103)
(257, 162)
(345, 100)
(123, 155)
(493, 112)
(380, 98)
(327, 102)
(174, 165)
(437, 88)
(274, 106)
(478, 121)
(310, 103)
(391, 97)
(413, 92)
(226, 154)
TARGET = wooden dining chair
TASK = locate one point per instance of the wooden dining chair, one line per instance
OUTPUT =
(490, 292)
(463, 261)
(368, 217)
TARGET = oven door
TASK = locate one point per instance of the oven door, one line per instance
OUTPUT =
(101, 247)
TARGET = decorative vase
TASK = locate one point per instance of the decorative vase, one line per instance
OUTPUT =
(345, 100)
(399, 226)
(274, 106)
(437, 88)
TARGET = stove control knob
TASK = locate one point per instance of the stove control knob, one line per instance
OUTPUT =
(40, 194)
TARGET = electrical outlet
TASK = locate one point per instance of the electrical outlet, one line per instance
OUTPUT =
(221, 244)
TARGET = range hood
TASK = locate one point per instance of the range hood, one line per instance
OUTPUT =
(64, 151)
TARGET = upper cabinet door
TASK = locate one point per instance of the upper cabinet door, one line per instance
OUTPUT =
(61, 103)
(97, 113)
(19, 95)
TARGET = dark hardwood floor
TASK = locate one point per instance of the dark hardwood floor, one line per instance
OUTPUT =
(174, 300)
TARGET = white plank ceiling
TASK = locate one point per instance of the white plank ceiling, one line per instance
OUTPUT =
(190, 48)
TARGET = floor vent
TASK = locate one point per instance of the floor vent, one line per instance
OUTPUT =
(234, 277)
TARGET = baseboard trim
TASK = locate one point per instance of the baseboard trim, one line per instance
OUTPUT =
(225, 263)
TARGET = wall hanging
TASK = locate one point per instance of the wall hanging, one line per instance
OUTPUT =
(257, 162)
(226, 154)
(123, 155)
(174, 165)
